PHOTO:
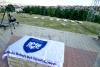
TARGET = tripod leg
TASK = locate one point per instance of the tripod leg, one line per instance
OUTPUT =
(10, 29)
(14, 25)
(3, 17)
(4, 27)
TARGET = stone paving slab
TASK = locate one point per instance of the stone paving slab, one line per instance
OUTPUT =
(75, 57)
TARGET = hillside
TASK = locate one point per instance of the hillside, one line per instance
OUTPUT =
(82, 27)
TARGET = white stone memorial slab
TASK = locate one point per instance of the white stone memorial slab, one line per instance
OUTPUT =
(41, 51)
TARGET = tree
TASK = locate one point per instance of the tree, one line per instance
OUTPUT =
(10, 8)
(43, 10)
(97, 19)
(26, 9)
(66, 13)
(51, 11)
(58, 12)
(2, 10)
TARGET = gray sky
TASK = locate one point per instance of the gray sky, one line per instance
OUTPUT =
(51, 2)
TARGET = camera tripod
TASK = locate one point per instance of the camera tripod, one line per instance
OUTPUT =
(11, 21)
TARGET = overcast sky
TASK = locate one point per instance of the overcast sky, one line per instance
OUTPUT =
(51, 2)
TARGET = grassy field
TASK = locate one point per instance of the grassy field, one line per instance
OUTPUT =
(83, 27)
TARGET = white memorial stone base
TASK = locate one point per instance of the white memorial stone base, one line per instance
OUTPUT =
(31, 51)
(15, 62)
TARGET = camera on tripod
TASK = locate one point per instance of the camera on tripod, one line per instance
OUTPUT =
(11, 20)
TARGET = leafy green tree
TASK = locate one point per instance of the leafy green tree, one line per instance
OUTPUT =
(97, 19)
(66, 13)
(51, 11)
(58, 12)
(43, 10)
(2, 10)
(10, 8)
(36, 10)
(26, 9)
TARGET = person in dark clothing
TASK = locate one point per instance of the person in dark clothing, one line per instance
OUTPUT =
(11, 18)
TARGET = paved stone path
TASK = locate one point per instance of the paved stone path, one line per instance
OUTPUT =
(73, 40)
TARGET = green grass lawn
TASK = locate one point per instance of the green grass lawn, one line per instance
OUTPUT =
(84, 28)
